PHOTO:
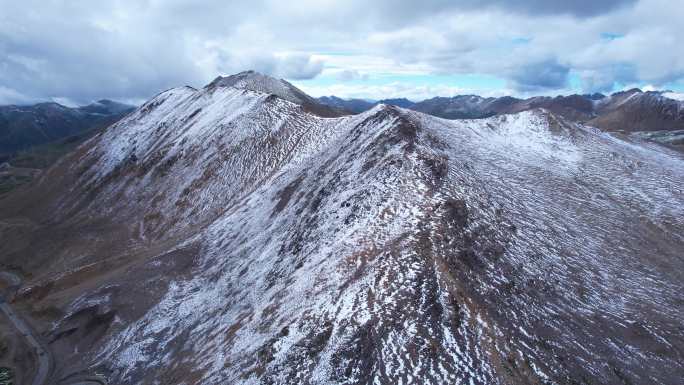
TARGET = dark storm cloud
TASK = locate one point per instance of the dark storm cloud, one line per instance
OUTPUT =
(543, 75)
(605, 80)
(578, 8)
(581, 8)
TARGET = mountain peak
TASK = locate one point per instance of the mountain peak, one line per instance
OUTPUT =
(399, 102)
(240, 78)
(107, 102)
(258, 82)
(628, 92)
(107, 107)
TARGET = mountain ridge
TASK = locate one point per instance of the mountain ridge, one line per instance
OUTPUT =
(258, 82)
(625, 111)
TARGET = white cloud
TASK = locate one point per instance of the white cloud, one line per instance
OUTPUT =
(130, 50)
(10, 96)
(349, 75)
(674, 95)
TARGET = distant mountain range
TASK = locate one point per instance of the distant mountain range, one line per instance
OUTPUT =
(632, 111)
(22, 127)
(355, 106)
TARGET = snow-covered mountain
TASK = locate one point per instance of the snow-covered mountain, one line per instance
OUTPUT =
(255, 81)
(228, 235)
(632, 111)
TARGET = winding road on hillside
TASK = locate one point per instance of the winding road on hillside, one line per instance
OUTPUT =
(44, 357)
(45, 360)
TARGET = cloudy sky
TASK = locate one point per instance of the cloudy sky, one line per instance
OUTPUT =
(79, 51)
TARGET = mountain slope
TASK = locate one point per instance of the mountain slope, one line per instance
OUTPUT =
(224, 235)
(635, 110)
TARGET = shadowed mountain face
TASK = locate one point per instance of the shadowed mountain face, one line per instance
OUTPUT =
(22, 127)
(398, 102)
(634, 110)
(355, 106)
(227, 235)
